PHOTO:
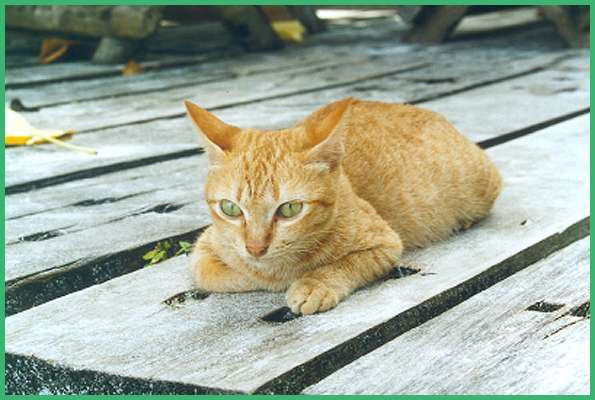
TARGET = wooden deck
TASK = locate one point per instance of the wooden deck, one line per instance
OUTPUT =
(501, 308)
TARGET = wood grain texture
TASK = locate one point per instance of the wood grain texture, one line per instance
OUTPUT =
(218, 66)
(77, 70)
(359, 37)
(447, 58)
(559, 90)
(129, 109)
(220, 342)
(490, 344)
(55, 211)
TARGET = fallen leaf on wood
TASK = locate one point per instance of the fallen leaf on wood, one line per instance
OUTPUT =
(132, 68)
(53, 48)
(289, 31)
(19, 132)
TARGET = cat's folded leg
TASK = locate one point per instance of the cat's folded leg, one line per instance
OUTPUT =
(212, 275)
(323, 288)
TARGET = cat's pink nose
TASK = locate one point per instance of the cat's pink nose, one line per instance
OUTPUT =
(257, 249)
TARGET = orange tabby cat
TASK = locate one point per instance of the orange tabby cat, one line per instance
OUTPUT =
(330, 204)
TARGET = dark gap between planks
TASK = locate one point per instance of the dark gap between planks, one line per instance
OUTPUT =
(27, 292)
(354, 81)
(413, 66)
(148, 65)
(297, 379)
(164, 208)
(321, 366)
(97, 171)
(42, 376)
(16, 104)
(119, 166)
(38, 288)
(544, 307)
(284, 314)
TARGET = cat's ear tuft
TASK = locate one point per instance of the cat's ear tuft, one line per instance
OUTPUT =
(325, 140)
(326, 156)
(321, 123)
(216, 134)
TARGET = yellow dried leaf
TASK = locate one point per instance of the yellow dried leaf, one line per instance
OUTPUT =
(132, 68)
(53, 48)
(289, 31)
(19, 132)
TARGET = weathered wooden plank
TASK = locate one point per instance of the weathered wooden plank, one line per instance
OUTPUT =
(551, 91)
(148, 107)
(20, 60)
(229, 347)
(128, 109)
(84, 70)
(490, 344)
(55, 216)
(226, 67)
(466, 110)
(40, 74)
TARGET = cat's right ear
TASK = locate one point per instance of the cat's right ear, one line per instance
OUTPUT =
(217, 135)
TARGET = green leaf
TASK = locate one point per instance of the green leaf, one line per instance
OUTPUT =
(185, 248)
(150, 254)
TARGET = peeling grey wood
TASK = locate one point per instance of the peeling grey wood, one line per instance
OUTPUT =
(20, 61)
(477, 113)
(163, 184)
(168, 102)
(69, 71)
(199, 72)
(41, 74)
(124, 223)
(550, 91)
(490, 344)
(220, 342)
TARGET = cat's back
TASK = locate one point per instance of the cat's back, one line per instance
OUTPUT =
(417, 170)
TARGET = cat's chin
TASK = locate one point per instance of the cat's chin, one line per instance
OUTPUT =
(257, 263)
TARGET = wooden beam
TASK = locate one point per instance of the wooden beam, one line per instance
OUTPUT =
(412, 86)
(571, 22)
(434, 23)
(493, 343)
(250, 27)
(230, 348)
(176, 181)
(129, 22)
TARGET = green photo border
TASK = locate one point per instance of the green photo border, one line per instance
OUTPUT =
(268, 2)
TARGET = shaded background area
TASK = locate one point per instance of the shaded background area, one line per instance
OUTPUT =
(113, 34)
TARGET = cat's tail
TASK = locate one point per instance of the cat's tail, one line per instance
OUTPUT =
(494, 183)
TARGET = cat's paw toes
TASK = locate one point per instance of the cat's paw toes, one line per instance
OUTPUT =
(308, 296)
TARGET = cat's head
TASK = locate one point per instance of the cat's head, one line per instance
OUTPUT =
(272, 194)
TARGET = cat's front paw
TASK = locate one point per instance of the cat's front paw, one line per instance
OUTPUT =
(308, 296)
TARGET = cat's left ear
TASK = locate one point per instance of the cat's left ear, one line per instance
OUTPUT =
(217, 135)
(326, 136)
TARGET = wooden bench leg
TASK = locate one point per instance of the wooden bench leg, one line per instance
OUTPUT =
(434, 24)
(572, 23)
(250, 26)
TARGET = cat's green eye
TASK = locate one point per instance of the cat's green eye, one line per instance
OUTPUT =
(289, 209)
(230, 208)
